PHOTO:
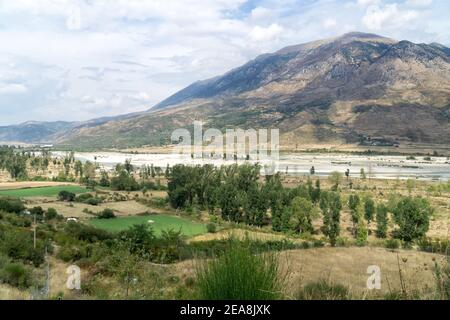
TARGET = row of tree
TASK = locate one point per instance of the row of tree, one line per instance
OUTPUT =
(239, 194)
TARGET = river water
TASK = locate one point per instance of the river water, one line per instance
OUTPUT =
(385, 167)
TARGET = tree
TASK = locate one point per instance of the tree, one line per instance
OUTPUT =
(126, 266)
(382, 221)
(104, 180)
(277, 213)
(230, 201)
(369, 210)
(255, 206)
(353, 204)
(412, 215)
(125, 182)
(363, 174)
(128, 166)
(330, 204)
(302, 213)
(315, 196)
(89, 174)
(361, 234)
(51, 214)
(286, 215)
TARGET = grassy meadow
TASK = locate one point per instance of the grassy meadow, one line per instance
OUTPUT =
(158, 223)
(42, 191)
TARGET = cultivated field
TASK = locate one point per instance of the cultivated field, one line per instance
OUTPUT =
(42, 191)
(85, 211)
(158, 223)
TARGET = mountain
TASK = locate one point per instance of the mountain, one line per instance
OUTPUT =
(355, 89)
(32, 131)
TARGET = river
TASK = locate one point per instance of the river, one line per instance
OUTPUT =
(380, 166)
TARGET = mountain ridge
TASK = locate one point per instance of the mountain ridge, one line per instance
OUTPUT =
(356, 88)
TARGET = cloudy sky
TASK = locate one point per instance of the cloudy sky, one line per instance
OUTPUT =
(81, 59)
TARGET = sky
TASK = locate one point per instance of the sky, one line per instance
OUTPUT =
(75, 60)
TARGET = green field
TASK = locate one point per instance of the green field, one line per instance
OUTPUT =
(161, 222)
(41, 191)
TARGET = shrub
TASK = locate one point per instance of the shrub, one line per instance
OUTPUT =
(412, 215)
(239, 274)
(392, 244)
(11, 205)
(93, 201)
(18, 245)
(106, 214)
(51, 214)
(84, 232)
(211, 228)
(38, 211)
(323, 290)
(64, 195)
(16, 275)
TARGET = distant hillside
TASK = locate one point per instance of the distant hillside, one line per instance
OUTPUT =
(32, 131)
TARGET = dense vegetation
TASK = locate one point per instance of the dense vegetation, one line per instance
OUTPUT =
(238, 194)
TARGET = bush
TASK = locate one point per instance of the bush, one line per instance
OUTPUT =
(106, 214)
(11, 205)
(38, 211)
(412, 215)
(93, 201)
(18, 245)
(64, 195)
(16, 275)
(323, 290)
(51, 214)
(434, 246)
(211, 228)
(239, 274)
(392, 244)
(84, 232)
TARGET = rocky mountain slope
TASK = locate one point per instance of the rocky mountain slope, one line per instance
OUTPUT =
(357, 88)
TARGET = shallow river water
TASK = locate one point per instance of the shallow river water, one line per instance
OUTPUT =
(386, 167)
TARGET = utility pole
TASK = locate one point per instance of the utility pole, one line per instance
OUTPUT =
(34, 231)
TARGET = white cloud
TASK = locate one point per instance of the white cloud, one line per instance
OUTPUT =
(73, 21)
(377, 18)
(12, 88)
(260, 13)
(419, 3)
(329, 23)
(259, 33)
(368, 2)
(80, 59)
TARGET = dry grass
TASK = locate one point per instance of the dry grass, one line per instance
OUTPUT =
(348, 266)
(122, 208)
(10, 293)
(241, 235)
